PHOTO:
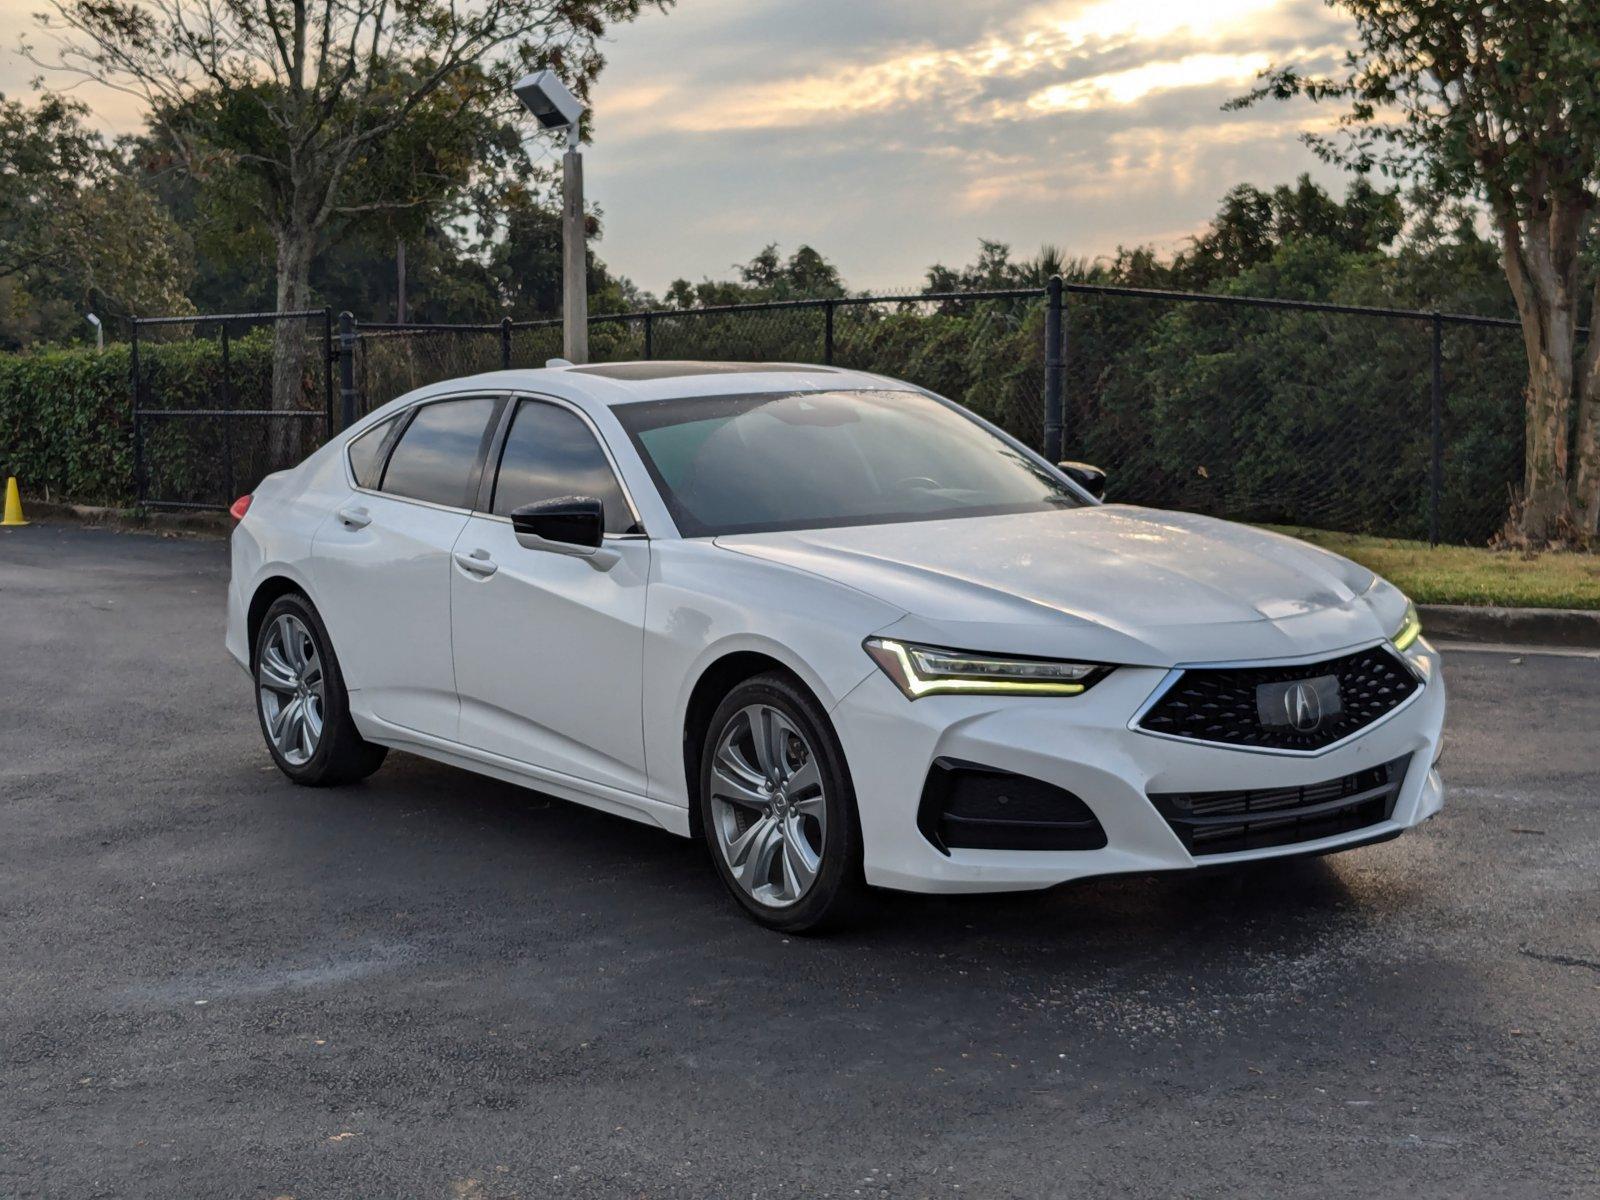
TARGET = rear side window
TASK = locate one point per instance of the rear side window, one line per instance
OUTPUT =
(436, 456)
(550, 452)
(366, 453)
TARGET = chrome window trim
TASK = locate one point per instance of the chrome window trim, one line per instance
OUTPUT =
(467, 512)
(513, 395)
(404, 411)
(1300, 660)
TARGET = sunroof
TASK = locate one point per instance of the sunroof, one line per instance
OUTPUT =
(678, 370)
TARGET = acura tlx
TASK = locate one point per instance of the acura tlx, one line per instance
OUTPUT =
(838, 628)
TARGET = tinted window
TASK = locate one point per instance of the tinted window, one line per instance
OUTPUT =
(366, 453)
(550, 452)
(438, 450)
(733, 464)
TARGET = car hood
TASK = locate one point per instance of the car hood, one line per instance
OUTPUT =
(1112, 583)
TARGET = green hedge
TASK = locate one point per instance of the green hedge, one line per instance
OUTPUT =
(66, 420)
(66, 424)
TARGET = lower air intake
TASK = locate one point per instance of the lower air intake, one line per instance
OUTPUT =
(1227, 822)
(972, 807)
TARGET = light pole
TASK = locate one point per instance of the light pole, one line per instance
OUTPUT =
(554, 107)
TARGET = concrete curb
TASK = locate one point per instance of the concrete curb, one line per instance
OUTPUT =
(189, 524)
(1511, 626)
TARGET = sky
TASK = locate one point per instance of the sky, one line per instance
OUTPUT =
(893, 134)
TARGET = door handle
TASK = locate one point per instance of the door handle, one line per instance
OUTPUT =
(354, 518)
(477, 563)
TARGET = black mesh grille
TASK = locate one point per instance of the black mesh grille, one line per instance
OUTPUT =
(1219, 704)
(1225, 822)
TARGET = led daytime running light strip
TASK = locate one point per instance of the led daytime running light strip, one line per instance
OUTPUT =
(896, 660)
(1410, 629)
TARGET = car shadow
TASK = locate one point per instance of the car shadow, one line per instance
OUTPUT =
(523, 848)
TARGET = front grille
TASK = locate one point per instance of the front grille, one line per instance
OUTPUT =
(1226, 822)
(973, 807)
(1219, 704)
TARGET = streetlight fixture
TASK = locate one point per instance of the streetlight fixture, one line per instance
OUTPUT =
(555, 107)
(99, 333)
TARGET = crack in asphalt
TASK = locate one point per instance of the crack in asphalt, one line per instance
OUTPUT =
(1561, 960)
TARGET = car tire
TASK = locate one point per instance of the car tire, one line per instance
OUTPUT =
(301, 702)
(801, 872)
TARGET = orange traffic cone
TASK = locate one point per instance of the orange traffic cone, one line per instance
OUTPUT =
(13, 503)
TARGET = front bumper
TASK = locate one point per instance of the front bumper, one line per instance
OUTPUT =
(1085, 745)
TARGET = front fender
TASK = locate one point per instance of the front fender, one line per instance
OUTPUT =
(706, 603)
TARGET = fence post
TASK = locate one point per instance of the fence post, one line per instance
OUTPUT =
(1052, 370)
(138, 428)
(347, 368)
(827, 333)
(1436, 465)
(505, 343)
(649, 336)
(328, 355)
(227, 416)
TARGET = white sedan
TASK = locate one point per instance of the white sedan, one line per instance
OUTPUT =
(839, 628)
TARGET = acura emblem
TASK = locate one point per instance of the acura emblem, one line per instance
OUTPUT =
(1303, 707)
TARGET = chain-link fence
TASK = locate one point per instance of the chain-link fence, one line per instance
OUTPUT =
(1384, 421)
(221, 401)
(1388, 421)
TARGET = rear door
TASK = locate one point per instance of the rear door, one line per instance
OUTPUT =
(383, 561)
(548, 645)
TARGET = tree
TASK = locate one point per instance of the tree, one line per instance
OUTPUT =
(67, 202)
(1252, 224)
(995, 269)
(301, 97)
(806, 275)
(524, 256)
(1494, 101)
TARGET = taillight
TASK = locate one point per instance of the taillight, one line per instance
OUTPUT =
(240, 507)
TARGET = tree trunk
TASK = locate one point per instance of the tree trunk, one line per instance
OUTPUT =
(1545, 303)
(290, 336)
(1544, 467)
(1586, 482)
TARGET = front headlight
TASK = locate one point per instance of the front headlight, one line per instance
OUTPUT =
(1410, 628)
(930, 671)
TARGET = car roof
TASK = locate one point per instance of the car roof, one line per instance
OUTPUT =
(609, 384)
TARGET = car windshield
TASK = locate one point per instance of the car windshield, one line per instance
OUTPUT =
(808, 460)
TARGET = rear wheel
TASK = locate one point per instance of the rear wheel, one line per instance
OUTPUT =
(302, 703)
(778, 810)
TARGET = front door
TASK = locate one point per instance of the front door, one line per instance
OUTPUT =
(548, 646)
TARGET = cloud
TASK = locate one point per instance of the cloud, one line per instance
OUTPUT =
(1134, 84)
(894, 133)
(897, 133)
(1065, 56)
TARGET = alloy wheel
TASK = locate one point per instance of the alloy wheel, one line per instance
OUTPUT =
(292, 687)
(769, 808)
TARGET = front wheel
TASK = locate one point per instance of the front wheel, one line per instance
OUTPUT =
(302, 702)
(777, 808)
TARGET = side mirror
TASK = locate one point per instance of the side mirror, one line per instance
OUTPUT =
(566, 524)
(1090, 479)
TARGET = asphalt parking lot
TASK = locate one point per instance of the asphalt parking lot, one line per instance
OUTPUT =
(436, 985)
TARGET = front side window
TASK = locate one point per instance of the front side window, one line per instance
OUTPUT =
(809, 460)
(437, 455)
(550, 452)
